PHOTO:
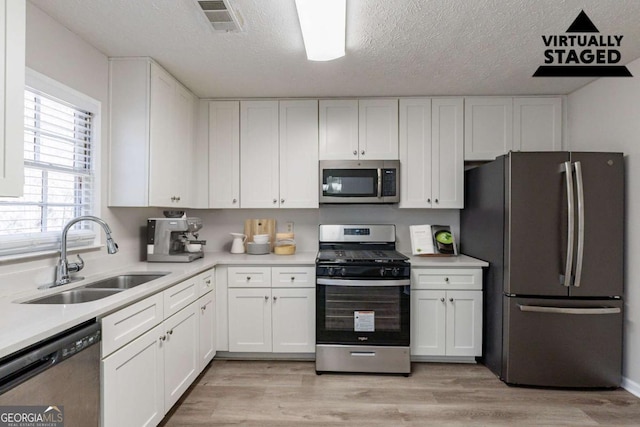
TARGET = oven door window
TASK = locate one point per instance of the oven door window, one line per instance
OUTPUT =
(372, 315)
(350, 182)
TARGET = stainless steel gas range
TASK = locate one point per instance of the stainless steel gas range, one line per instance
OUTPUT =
(362, 301)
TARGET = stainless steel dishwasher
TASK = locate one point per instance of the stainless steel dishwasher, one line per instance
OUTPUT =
(62, 372)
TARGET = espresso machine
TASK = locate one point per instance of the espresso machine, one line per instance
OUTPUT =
(174, 239)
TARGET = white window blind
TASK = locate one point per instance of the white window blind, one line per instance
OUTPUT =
(59, 178)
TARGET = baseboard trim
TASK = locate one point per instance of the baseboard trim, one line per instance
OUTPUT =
(444, 359)
(631, 386)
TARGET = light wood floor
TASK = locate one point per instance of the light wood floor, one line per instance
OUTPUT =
(288, 394)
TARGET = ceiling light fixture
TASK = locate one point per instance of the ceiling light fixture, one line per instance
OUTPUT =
(323, 28)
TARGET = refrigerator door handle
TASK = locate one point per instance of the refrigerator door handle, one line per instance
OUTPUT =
(571, 226)
(569, 310)
(580, 248)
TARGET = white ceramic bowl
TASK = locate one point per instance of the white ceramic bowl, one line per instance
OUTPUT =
(261, 238)
(193, 247)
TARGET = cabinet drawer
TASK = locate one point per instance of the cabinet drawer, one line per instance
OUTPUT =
(249, 277)
(295, 276)
(179, 296)
(129, 323)
(205, 282)
(441, 278)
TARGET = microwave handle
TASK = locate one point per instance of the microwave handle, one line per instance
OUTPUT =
(379, 183)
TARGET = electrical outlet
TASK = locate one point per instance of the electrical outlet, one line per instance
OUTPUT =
(289, 226)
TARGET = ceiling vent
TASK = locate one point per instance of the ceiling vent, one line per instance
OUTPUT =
(222, 15)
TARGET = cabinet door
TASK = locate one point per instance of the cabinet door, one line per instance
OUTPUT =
(464, 323)
(293, 320)
(132, 383)
(259, 185)
(299, 186)
(537, 124)
(183, 144)
(378, 129)
(224, 154)
(250, 319)
(415, 153)
(163, 181)
(207, 330)
(181, 353)
(12, 59)
(338, 129)
(447, 162)
(428, 323)
(488, 127)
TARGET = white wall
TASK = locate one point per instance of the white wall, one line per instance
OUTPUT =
(220, 222)
(605, 116)
(58, 53)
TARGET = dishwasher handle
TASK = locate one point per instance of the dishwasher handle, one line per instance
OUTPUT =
(26, 364)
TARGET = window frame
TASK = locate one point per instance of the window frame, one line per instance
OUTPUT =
(42, 83)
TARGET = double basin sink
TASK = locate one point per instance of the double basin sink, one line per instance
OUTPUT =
(98, 290)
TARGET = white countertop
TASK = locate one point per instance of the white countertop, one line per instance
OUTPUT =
(460, 261)
(22, 325)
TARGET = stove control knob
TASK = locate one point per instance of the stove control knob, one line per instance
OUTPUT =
(343, 271)
(395, 271)
(330, 271)
(382, 270)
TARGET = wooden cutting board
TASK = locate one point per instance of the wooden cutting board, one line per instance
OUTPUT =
(260, 226)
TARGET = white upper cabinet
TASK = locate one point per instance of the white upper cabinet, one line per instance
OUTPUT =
(259, 157)
(338, 129)
(431, 153)
(224, 154)
(152, 135)
(12, 70)
(299, 154)
(488, 130)
(378, 136)
(359, 129)
(263, 154)
(495, 126)
(537, 124)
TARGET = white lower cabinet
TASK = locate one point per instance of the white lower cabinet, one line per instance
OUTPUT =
(133, 383)
(207, 330)
(446, 312)
(143, 378)
(181, 353)
(265, 319)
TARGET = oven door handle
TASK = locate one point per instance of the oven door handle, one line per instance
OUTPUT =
(362, 282)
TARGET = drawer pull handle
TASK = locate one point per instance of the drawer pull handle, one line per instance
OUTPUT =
(163, 337)
(293, 279)
(446, 279)
(203, 308)
(441, 299)
(170, 332)
(266, 297)
(450, 299)
(248, 278)
(274, 299)
(208, 282)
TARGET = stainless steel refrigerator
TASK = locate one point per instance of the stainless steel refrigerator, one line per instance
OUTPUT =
(551, 225)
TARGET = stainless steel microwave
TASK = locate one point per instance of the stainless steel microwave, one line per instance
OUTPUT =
(359, 181)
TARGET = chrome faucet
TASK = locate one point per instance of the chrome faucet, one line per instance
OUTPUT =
(64, 267)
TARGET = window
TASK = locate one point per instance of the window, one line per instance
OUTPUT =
(59, 177)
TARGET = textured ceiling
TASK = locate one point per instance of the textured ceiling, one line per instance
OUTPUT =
(394, 47)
